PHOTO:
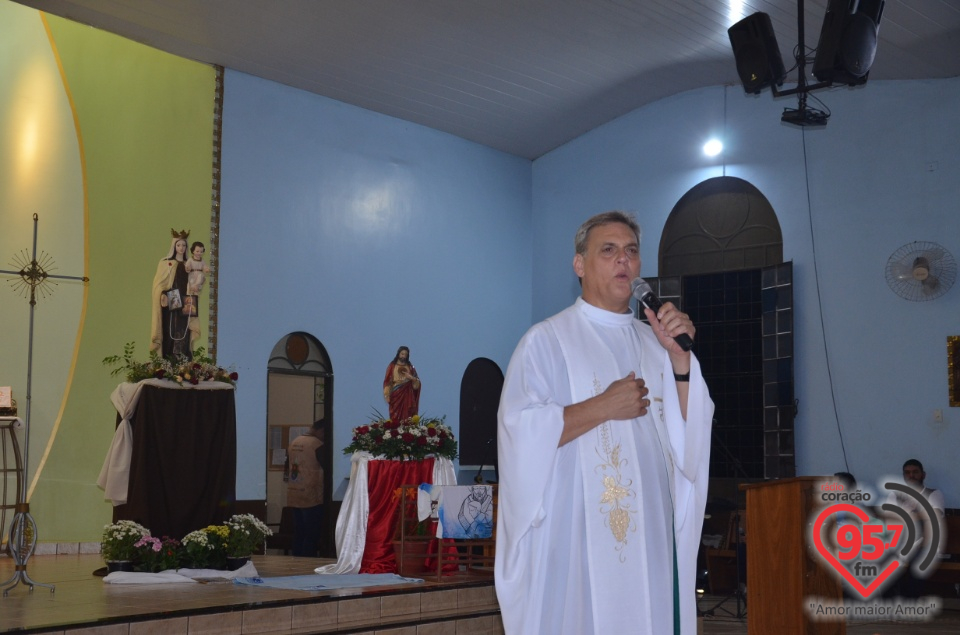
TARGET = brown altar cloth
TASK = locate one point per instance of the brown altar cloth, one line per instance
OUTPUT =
(184, 464)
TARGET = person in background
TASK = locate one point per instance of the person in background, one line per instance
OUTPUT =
(914, 476)
(305, 489)
(912, 584)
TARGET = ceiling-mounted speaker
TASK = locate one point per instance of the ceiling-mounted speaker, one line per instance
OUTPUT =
(755, 49)
(848, 41)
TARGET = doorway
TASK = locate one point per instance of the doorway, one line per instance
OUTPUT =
(721, 261)
(299, 392)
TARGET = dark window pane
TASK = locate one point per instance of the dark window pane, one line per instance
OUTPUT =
(785, 321)
(769, 299)
(771, 419)
(785, 345)
(771, 467)
(769, 347)
(785, 273)
(784, 298)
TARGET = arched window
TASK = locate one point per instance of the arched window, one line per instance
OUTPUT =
(721, 261)
(721, 224)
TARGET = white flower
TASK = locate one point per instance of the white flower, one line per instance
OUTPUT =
(199, 537)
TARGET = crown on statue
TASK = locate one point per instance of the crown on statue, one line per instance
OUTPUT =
(183, 233)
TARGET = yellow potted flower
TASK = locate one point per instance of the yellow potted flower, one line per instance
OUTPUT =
(206, 548)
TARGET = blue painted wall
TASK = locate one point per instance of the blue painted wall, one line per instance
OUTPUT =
(369, 233)
(884, 172)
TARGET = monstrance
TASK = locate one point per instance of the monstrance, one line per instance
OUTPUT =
(33, 275)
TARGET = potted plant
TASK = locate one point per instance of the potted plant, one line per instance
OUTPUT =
(118, 544)
(247, 534)
(206, 548)
(155, 555)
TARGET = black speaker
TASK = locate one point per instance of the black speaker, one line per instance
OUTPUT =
(848, 41)
(755, 48)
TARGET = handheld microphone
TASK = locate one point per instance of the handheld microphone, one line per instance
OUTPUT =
(643, 292)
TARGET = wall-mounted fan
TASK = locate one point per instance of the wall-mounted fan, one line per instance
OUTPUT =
(921, 271)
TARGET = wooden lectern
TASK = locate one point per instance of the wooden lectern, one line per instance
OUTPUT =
(782, 566)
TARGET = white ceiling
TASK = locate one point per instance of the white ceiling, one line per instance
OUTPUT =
(522, 76)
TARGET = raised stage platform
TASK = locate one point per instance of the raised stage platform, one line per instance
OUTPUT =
(83, 604)
(459, 605)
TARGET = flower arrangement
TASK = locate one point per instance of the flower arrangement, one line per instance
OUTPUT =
(246, 535)
(119, 540)
(413, 438)
(154, 554)
(206, 548)
(180, 369)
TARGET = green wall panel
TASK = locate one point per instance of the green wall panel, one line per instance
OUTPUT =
(136, 142)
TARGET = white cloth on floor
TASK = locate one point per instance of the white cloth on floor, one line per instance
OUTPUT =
(248, 570)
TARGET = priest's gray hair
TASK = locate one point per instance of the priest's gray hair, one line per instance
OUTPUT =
(613, 216)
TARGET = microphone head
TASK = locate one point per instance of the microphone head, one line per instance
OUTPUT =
(640, 288)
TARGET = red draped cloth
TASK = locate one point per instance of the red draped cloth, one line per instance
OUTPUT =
(448, 557)
(383, 479)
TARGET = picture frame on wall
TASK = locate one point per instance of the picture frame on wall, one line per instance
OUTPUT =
(953, 369)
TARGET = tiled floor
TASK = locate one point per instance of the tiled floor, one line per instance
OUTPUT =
(458, 604)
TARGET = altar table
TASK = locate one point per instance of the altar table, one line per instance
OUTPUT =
(172, 464)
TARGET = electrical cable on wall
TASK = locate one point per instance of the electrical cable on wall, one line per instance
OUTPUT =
(816, 278)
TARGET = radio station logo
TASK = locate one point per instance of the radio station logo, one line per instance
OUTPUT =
(869, 546)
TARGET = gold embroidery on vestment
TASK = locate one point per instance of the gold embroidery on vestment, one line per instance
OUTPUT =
(617, 499)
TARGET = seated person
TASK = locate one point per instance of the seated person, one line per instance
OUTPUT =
(910, 585)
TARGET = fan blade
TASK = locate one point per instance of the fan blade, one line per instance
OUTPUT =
(902, 271)
(933, 254)
(930, 285)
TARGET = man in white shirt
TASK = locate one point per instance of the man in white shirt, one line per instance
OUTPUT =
(911, 583)
(604, 444)
(914, 476)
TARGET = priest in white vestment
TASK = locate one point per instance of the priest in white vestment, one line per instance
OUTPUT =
(604, 447)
